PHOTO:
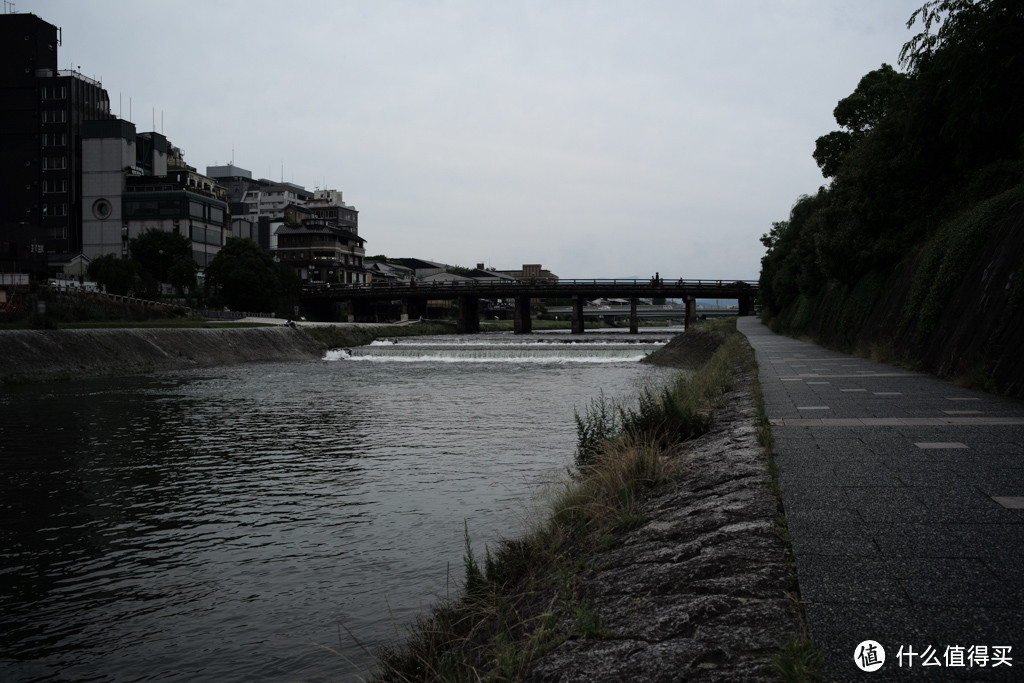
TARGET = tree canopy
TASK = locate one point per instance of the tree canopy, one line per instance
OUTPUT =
(155, 251)
(877, 93)
(246, 276)
(116, 275)
(913, 146)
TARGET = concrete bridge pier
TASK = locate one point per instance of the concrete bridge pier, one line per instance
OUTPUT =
(577, 314)
(691, 312)
(340, 311)
(469, 314)
(634, 321)
(414, 309)
(521, 323)
(746, 305)
(364, 311)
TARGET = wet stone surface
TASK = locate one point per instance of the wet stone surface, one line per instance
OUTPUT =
(702, 590)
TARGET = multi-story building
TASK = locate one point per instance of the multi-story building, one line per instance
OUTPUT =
(237, 182)
(272, 205)
(80, 181)
(328, 204)
(42, 112)
(271, 199)
(133, 183)
(320, 251)
(530, 272)
(113, 153)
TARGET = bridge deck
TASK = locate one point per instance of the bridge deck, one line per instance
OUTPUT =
(679, 288)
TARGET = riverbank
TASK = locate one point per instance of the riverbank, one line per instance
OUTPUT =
(659, 558)
(50, 355)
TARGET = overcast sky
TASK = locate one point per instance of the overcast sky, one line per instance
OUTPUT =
(600, 138)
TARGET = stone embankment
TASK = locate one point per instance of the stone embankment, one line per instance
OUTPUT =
(702, 591)
(42, 355)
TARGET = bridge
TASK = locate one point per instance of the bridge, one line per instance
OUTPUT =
(328, 299)
(673, 311)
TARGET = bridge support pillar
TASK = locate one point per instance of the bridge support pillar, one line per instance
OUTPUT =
(469, 315)
(634, 321)
(414, 309)
(364, 311)
(746, 305)
(691, 312)
(577, 314)
(521, 323)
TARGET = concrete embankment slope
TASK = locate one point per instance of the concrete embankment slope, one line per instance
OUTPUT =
(40, 355)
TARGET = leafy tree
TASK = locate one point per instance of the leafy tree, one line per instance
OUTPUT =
(116, 275)
(912, 148)
(969, 84)
(876, 94)
(182, 273)
(155, 252)
(246, 276)
(291, 283)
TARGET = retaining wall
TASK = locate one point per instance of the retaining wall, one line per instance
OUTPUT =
(40, 355)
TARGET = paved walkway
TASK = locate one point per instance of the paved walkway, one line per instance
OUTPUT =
(904, 496)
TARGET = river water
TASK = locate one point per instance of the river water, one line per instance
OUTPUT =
(248, 523)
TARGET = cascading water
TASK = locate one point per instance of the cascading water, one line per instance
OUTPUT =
(554, 348)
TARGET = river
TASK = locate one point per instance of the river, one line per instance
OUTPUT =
(253, 522)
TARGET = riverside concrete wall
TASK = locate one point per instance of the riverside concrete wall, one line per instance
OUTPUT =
(39, 355)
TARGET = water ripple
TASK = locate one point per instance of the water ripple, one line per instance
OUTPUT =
(210, 525)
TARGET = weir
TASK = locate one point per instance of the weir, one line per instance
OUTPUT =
(541, 349)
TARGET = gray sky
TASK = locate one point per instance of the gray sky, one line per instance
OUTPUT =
(600, 138)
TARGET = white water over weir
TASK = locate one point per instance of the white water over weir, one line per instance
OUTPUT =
(551, 348)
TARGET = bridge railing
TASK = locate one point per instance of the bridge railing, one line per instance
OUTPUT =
(525, 284)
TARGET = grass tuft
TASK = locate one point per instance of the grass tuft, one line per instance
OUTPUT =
(798, 661)
(527, 598)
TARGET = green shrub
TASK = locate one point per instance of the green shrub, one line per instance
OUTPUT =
(947, 257)
(597, 424)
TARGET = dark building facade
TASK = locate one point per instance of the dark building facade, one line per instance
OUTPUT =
(321, 251)
(42, 111)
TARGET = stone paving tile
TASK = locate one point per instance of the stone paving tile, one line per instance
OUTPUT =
(824, 540)
(858, 589)
(901, 544)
